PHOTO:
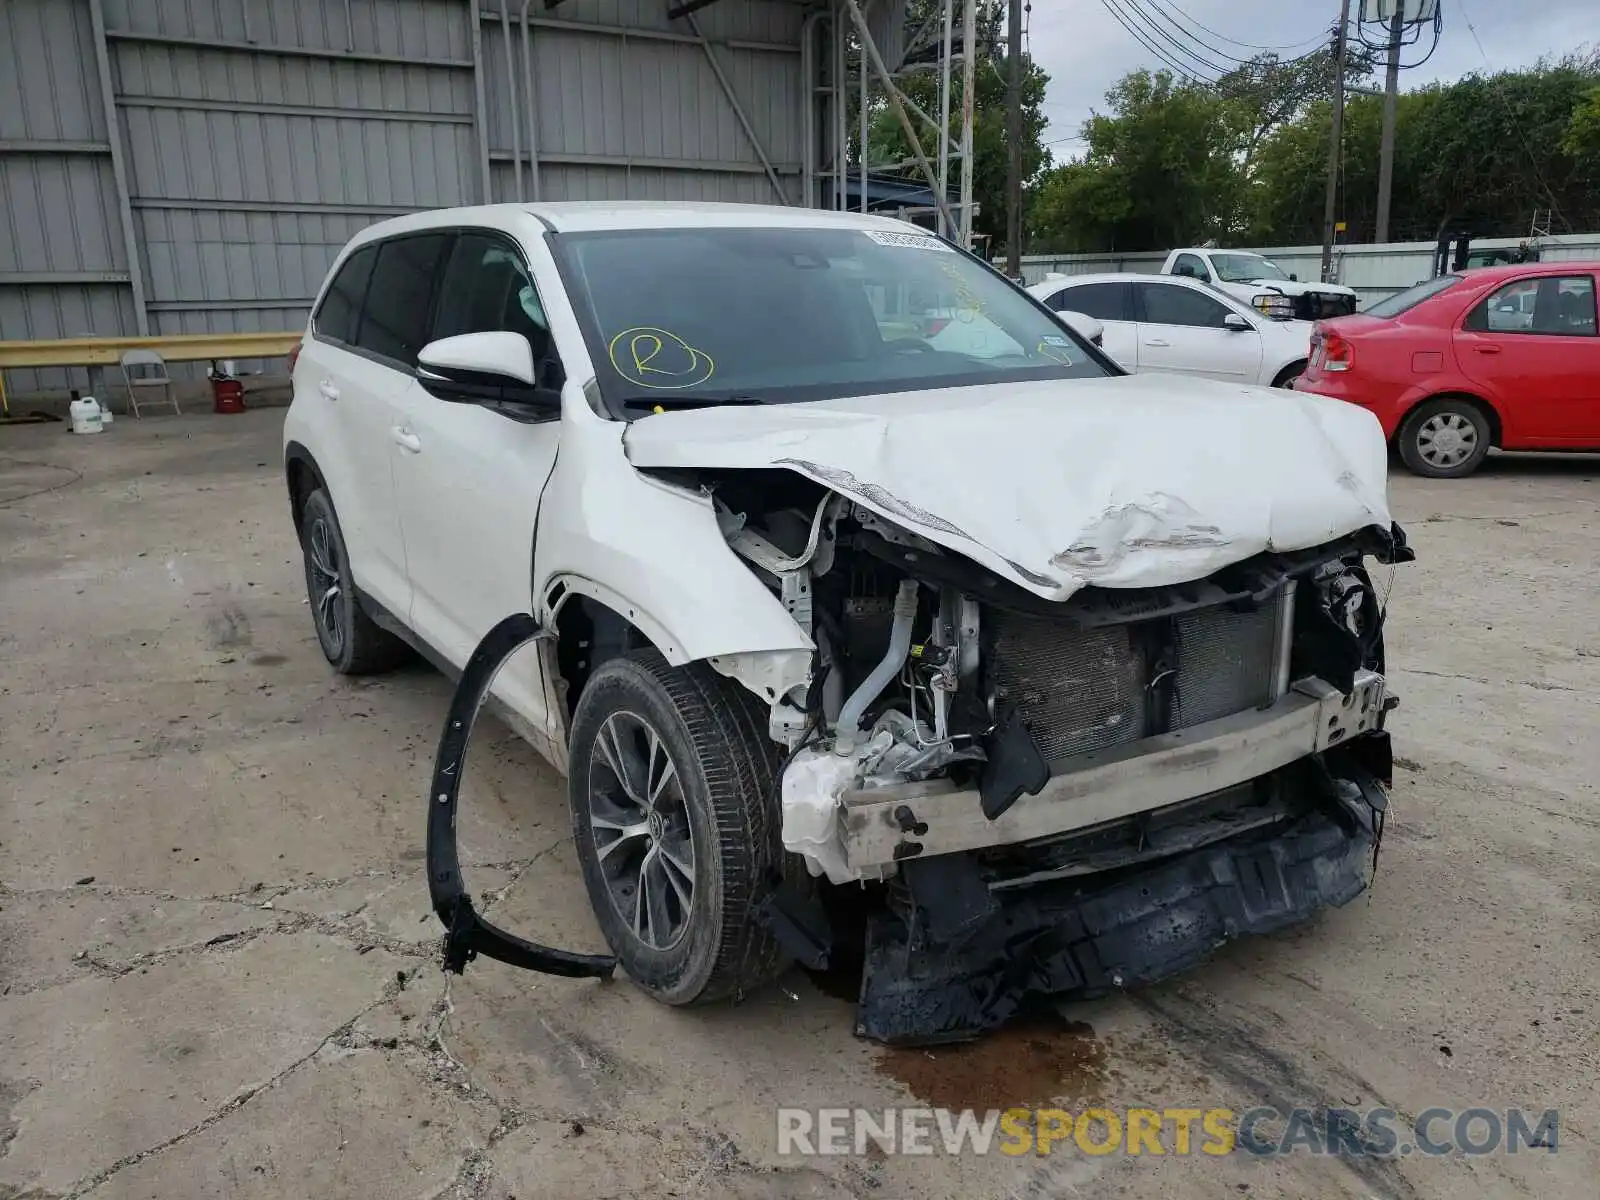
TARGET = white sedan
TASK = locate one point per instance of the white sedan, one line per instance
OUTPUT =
(1168, 323)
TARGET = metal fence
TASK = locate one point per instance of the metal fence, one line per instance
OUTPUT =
(1373, 271)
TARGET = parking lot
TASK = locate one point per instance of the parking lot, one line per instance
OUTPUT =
(220, 973)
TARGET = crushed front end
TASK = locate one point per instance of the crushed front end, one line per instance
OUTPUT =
(1022, 799)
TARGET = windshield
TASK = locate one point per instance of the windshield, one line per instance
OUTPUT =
(775, 315)
(1393, 306)
(1243, 268)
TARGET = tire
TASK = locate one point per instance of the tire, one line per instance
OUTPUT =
(684, 937)
(350, 640)
(1289, 374)
(1444, 439)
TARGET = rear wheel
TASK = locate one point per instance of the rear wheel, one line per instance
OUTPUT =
(1445, 439)
(350, 641)
(676, 825)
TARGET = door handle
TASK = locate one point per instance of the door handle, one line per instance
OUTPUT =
(405, 439)
(1486, 348)
(1156, 342)
(328, 390)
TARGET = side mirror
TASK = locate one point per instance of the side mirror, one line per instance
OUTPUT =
(1294, 277)
(1234, 323)
(496, 369)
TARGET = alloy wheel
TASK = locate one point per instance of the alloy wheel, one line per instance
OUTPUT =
(326, 587)
(643, 838)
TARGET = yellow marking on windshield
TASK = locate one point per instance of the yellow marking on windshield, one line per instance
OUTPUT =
(652, 357)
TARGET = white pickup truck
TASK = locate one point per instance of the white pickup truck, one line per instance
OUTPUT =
(1260, 282)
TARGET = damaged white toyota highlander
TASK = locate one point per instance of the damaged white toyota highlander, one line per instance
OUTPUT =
(970, 660)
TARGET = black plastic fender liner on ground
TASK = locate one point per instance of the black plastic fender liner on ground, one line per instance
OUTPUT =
(467, 934)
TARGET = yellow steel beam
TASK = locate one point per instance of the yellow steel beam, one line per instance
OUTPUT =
(177, 347)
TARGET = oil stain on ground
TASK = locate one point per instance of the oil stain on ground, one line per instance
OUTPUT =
(1024, 1064)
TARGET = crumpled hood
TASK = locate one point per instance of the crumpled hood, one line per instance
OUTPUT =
(1131, 481)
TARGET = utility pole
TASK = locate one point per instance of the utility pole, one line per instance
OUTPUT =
(1335, 141)
(944, 118)
(969, 83)
(1014, 141)
(1391, 87)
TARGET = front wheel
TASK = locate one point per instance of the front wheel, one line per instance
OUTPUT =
(1444, 439)
(1289, 374)
(675, 820)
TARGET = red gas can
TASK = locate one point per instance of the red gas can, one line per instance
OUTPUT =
(227, 394)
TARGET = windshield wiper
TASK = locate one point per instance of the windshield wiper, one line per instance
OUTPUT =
(667, 401)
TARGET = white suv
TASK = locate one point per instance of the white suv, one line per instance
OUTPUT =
(1003, 672)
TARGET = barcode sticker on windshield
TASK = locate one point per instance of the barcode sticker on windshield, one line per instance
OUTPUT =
(911, 241)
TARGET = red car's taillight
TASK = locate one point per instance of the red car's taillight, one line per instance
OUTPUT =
(294, 355)
(1337, 352)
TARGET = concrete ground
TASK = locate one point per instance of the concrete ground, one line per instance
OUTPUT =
(220, 975)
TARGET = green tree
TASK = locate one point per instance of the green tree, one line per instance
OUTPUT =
(887, 142)
(1158, 171)
(1582, 140)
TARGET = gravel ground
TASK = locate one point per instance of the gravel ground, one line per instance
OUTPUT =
(219, 970)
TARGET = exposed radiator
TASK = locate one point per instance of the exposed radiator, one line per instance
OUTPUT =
(1085, 690)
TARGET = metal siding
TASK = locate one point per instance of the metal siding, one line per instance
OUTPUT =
(242, 193)
(58, 213)
(59, 311)
(47, 86)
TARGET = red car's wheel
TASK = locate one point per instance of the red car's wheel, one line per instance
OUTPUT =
(1445, 439)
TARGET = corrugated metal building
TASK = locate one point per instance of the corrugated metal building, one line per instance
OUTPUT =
(194, 165)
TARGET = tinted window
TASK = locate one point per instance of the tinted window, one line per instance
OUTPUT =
(336, 315)
(394, 322)
(1394, 305)
(486, 289)
(1167, 305)
(1102, 301)
(1190, 265)
(1553, 305)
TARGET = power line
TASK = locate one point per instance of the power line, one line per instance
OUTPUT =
(1182, 47)
(1193, 38)
(1110, 7)
(1315, 40)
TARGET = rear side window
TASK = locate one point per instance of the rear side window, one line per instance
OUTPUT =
(486, 289)
(394, 322)
(1102, 301)
(336, 315)
(1190, 265)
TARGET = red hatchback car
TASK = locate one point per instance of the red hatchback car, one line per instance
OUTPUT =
(1502, 356)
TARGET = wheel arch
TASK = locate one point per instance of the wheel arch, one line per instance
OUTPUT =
(1490, 413)
(1290, 369)
(303, 476)
(593, 622)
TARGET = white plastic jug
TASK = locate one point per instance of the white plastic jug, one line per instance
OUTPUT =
(86, 415)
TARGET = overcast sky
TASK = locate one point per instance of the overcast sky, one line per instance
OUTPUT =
(1085, 50)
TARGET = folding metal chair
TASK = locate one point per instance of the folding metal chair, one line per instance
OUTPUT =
(157, 377)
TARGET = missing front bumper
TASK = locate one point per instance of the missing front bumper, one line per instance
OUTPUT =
(887, 825)
(1078, 939)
